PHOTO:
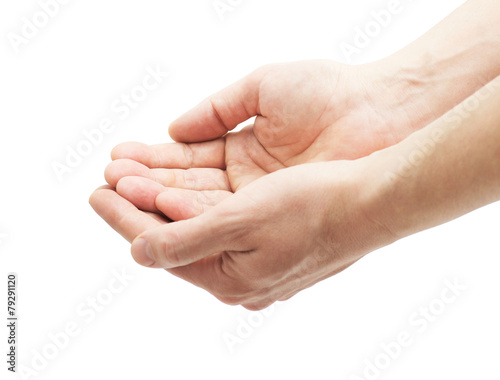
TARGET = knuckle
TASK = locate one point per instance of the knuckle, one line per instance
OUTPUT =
(169, 252)
(258, 305)
(189, 155)
(218, 104)
(264, 69)
(233, 290)
(189, 180)
(202, 202)
(228, 300)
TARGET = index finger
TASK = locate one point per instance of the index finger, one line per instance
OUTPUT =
(209, 154)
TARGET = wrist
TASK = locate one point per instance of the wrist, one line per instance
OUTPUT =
(447, 64)
(380, 197)
(403, 95)
(430, 83)
(353, 195)
(385, 197)
(441, 172)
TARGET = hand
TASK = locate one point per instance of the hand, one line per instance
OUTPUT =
(362, 107)
(291, 228)
(278, 235)
(306, 112)
(328, 111)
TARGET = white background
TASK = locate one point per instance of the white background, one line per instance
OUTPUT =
(63, 82)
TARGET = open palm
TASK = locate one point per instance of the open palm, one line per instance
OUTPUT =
(305, 112)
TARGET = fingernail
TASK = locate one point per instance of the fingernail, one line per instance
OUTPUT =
(142, 252)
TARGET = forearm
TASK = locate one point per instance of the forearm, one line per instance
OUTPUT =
(443, 171)
(449, 63)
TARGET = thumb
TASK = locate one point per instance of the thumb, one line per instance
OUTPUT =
(181, 243)
(221, 112)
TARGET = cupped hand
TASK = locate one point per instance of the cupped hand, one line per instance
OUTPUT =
(278, 235)
(305, 112)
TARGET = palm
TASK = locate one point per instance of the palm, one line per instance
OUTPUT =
(287, 126)
(306, 112)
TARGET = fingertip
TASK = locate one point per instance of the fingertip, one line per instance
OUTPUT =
(116, 151)
(98, 195)
(140, 191)
(177, 204)
(221, 112)
(110, 175)
(136, 184)
(121, 168)
(189, 127)
(169, 203)
(92, 198)
(162, 197)
(172, 132)
(128, 149)
(142, 252)
(123, 184)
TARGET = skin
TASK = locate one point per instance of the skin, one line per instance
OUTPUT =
(320, 114)
(245, 230)
(264, 243)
